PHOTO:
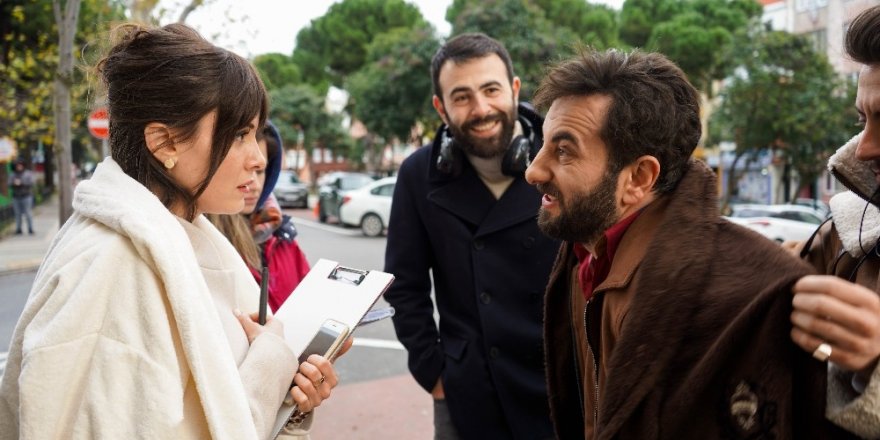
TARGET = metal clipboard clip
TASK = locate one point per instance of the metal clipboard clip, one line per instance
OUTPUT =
(348, 275)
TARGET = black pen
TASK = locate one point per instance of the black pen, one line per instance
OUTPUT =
(264, 294)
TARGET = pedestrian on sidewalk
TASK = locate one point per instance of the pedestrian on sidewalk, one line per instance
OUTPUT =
(662, 320)
(21, 181)
(142, 319)
(463, 216)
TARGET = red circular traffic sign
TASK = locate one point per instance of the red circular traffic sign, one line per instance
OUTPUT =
(99, 124)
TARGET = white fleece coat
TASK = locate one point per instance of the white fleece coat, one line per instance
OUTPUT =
(129, 329)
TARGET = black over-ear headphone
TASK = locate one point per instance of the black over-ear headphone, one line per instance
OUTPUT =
(514, 163)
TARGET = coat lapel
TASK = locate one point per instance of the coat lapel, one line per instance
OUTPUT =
(518, 204)
(468, 198)
(465, 197)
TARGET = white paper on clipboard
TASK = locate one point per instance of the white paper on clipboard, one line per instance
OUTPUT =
(329, 291)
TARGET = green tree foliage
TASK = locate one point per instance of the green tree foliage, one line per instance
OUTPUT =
(784, 96)
(522, 27)
(335, 45)
(638, 18)
(698, 35)
(277, 70)
(594, 24)
(298, 112)
(403, 58)
(28, 64)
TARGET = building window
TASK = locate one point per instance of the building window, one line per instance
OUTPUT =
(809, 5)
(819, 38)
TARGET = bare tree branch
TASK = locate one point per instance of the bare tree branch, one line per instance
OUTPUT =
(188, 9)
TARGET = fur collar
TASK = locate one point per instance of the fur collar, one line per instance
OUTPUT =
(851, 172)
(858, 226)
(847, 209)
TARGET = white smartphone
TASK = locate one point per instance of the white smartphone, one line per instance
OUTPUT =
(327, 341)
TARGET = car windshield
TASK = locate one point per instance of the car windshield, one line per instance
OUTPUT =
(354, 181)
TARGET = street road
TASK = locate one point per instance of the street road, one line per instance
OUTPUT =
(14, 290)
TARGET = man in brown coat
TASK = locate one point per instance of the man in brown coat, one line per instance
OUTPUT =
(661, 319)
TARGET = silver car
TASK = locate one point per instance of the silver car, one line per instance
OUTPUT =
(290, 192)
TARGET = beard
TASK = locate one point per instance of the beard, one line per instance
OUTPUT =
(485, 148)
(583, 218)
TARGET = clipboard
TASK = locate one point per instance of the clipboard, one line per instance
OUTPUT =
(328, 291)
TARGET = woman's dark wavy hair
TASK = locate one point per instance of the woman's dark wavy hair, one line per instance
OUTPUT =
(654, 109)
(173, 76)
(863, 37)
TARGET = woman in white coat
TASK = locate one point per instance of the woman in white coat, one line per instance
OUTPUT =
(139, 323)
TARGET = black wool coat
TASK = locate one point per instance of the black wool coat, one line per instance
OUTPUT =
(489, 264)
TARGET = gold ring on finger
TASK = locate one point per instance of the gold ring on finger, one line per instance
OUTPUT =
(823, 352)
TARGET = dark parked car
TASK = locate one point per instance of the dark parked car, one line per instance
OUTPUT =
(290, 192)
(333, 187)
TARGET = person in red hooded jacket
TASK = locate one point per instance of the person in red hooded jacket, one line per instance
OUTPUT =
(262, 234)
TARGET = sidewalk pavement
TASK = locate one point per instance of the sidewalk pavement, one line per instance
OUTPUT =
(392, 408)
(21, 253)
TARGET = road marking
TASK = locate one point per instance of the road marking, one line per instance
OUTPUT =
(377, 343)
(334, 229)
(358, 342)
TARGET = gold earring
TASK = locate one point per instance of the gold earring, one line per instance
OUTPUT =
(169, 163)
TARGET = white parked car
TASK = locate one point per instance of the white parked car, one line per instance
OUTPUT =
(368, 207)
(791, 212)
(778, 222)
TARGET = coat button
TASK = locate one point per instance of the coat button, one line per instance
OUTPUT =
(494, 352)
(528, 242)
(485, 298)
(478, 245)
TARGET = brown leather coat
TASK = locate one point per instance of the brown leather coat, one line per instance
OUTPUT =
(702, 348)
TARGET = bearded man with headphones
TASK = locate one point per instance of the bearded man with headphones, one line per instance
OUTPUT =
(463, 214)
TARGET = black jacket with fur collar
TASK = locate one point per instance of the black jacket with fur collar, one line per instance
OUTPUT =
(704, 351)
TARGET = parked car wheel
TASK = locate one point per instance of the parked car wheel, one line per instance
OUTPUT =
(371, 225)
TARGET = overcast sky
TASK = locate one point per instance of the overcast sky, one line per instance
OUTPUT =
(265, 26)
